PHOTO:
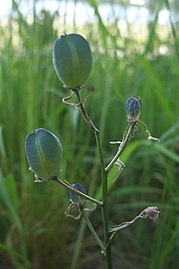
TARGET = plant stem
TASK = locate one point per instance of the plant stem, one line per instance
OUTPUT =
(83, 224)
(105, 212)
(84, 112)
(98, 240)
(104, 208)
(127, 134)
(70, 187)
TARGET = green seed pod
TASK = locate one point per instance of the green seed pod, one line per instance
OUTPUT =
(133, 108)
(44, 153)
(72, 60)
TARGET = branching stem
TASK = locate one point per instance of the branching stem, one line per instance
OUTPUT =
(104, 208)
(70, 187)
(127, 134)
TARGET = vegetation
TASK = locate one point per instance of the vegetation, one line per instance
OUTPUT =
(34, 232)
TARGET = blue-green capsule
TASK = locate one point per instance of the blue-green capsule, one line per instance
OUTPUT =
(75, 198)
(72, 60)
(44, 153)
(133, 108)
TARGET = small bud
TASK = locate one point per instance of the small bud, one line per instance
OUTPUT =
(133, 108)
(44, 154)
(72, 60)
(76, 198)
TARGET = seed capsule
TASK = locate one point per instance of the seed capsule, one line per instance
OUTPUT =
(44, 153)
(75, 198)
(133, 108)
(72, 60)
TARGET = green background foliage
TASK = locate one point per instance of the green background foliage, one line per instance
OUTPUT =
(34, 232)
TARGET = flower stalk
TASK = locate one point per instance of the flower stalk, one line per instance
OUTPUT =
(104, 208)
(72, 60)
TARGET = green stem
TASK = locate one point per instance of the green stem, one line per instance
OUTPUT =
(104, 208)
(127, 134)
(98, 240)
(83, 224)
(84, 112)
(105, 211)
(70, 187)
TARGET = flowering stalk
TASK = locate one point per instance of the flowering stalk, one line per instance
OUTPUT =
(104, 208)
(72, 61)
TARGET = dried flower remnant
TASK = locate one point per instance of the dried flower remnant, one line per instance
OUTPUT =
(150, 212)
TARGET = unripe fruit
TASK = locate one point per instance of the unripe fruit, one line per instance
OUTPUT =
(44, 153)
(76, 198)
(72, 60)
(133, 108)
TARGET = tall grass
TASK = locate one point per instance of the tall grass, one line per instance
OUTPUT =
(34, 233)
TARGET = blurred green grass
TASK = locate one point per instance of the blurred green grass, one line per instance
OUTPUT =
(34, 233)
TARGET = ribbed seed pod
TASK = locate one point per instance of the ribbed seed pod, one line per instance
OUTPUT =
(44, 153)
(133, 108)
(72, 60)
(75, 198)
